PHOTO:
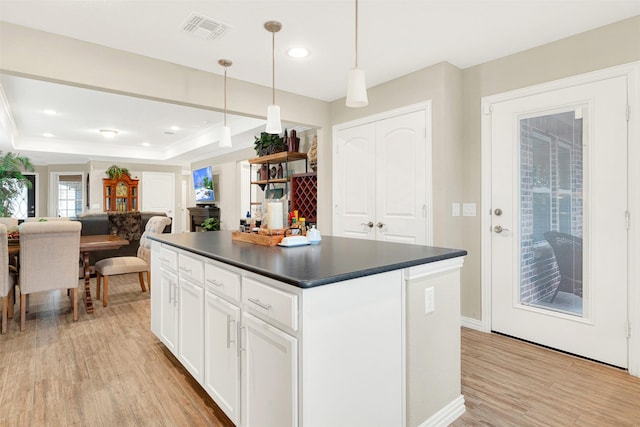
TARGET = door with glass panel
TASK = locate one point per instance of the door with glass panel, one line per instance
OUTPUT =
(559, 219)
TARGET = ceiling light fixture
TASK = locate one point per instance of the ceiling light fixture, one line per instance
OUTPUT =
(108, 133)
(357, 85)
(47, 135)
(298, 52)
(225, 141)
(274, 125)
(50, 112)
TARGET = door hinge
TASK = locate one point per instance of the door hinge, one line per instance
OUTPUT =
(487, 109)
(627, 220)
(628, 329)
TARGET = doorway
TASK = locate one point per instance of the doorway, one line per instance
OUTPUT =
(558, 224)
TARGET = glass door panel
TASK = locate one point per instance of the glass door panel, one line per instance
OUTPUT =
(551, 212)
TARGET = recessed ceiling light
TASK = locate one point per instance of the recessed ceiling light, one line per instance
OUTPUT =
(47, 135)
(146, 144)
(50, 112)
(298, 52)
(174, 128)
(108, 133)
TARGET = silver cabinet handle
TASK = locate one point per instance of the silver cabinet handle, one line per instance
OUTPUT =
(229, 322)
(215, 283)
(260, 304)
(380, 225)
(368, 224)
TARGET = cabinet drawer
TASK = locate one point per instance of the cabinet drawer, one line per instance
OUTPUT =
(222, 281)
(270, 303)
(191, 268)
(168, 258)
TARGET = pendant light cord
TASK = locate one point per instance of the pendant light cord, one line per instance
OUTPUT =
(273, 67)
(356, 33)
(225, 96)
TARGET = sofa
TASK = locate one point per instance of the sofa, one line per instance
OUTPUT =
(99, 223)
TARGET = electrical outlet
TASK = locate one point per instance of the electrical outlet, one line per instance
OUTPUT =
(429, 301)
(455, 209)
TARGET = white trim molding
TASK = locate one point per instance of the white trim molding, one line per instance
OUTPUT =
(446, 415)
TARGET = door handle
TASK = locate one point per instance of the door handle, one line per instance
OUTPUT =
(498, 229)
(369, 224)
(380, 225)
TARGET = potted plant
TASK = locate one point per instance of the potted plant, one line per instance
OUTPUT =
(268, 143)
(12, 181)
(210, 224)
(115, 172)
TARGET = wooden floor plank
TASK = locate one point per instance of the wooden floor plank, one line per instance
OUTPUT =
(109, 369)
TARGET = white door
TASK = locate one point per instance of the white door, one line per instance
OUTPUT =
(158, 194)
(559, 228)
(222, 360)
(382, 180)
(269, 375)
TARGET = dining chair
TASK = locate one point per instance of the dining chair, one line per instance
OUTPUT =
(6, 279)
(49, 260)
(9, 222)
(130, 264)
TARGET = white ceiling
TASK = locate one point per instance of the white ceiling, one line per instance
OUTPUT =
(396, 37)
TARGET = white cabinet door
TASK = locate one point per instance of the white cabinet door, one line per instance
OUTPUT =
(269, 375)
(191, 328)
(222, 360)
(382, 180)
(168, 291)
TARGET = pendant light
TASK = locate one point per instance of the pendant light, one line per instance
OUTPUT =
(274, 125)
(225, 141)
(356, 83)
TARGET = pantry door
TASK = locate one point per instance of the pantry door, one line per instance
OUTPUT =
(559, 219)
(382, 179)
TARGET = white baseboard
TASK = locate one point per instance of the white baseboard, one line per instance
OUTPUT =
(446, 415)
(471, 323)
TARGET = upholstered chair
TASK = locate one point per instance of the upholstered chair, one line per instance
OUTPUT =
(6, 279)
(130, 264)
(46, 218)
(9, 222)
(49, 253)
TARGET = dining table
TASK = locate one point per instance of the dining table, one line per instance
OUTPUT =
(98, 242)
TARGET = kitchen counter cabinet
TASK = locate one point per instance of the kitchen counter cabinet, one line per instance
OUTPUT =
(337, 334)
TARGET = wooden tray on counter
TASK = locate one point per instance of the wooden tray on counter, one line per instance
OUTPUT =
(257, 239)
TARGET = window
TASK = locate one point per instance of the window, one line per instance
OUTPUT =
(70, 194)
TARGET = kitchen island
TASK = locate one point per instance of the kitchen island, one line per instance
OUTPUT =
(345, 333)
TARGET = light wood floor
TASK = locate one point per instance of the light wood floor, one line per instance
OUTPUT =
(108, 369)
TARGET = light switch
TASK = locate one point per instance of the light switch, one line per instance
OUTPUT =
(468, 209)
(455, 209)
(429, 301)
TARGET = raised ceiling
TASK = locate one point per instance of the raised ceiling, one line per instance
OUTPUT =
(396, 37)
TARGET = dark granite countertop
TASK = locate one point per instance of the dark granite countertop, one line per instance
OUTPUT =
(333, 260)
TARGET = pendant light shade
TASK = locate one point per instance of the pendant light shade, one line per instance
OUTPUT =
(273, 119)
(273, 111)
(357, 89)
(356, 83)
(225, 140)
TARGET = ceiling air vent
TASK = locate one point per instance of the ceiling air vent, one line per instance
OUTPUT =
(204, 27)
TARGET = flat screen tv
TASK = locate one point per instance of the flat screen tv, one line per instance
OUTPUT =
(203, 186)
